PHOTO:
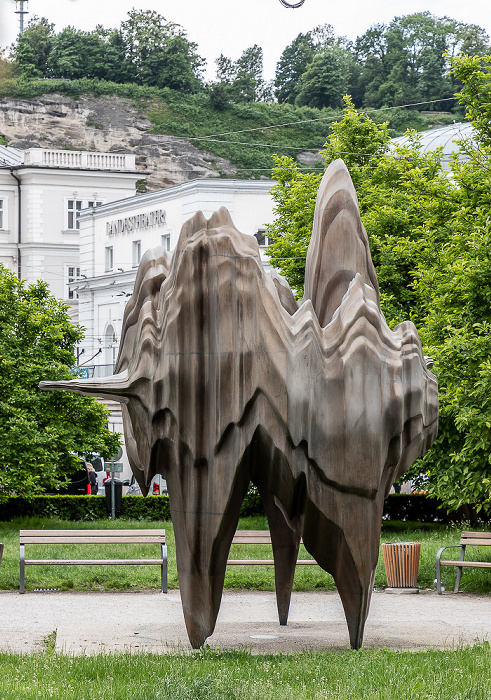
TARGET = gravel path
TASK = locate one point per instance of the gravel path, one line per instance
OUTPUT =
(151, 621)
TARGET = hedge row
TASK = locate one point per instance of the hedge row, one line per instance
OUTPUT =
(414, 507)
(84, 507)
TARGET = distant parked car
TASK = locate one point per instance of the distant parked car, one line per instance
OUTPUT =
(79, 479)
(158, 485)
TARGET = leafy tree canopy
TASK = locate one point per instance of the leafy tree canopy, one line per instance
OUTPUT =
(242, 80)
(326, 79)
(31, 53)
(147, 49)
(403, 62)
(149, 42)
(41, 432)
(455, 288)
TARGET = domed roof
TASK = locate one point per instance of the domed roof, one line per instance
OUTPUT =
(442, 136)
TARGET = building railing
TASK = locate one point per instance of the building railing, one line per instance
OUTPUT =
(79, 159)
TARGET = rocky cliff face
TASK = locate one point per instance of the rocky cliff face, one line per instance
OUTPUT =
(107, 124)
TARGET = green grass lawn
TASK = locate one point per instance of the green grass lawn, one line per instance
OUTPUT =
(463, 674)
(431, 537)
(378, 674)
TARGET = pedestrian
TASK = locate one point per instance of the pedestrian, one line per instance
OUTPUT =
(94, 486)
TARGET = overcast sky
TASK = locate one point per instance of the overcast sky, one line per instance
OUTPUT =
(230, 26)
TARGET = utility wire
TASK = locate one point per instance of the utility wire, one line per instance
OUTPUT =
(318, 119)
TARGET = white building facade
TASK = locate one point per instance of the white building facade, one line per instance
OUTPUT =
(113, 238)
(42, 195)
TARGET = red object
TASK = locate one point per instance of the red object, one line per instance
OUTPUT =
(89, 491)
(156, 487)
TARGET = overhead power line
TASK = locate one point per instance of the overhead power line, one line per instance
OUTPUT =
(317, 119)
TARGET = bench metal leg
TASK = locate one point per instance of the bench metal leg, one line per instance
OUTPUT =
(163, 555)
(438, 571)
(22, 585)
(459, 570)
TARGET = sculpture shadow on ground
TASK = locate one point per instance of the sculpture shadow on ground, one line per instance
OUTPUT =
(225, 379)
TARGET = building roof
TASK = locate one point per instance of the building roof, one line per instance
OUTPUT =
(10, 156)
(445, 137)
(197, 186)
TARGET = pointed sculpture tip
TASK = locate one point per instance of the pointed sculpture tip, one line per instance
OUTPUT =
(112, 387)
(220, 218)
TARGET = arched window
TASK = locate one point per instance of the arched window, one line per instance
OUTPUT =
(110, 348)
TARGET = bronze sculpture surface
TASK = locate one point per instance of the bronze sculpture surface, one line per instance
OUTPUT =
(225, 379)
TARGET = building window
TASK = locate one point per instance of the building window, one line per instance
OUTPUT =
(165, 241)
(2, 210)
(72, 275)
(262, 238)
(109, 258)
(74, 209)
(137, 253)
(110, 348)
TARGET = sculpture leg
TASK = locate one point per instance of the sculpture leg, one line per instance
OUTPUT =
(348, 550)
(205, 509)
(285, 538)
(282, 497)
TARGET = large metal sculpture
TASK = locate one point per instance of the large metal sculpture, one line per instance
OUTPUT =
(224, 379)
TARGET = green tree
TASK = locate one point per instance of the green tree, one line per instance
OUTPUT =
(326, 80)
(243, 79)
(77, 54)
(456, 291)
(291, 66)
(403, 61)
(181, 66)
(149, 41)
(321, 81)
(116, 67)
(41, 433)
(33, 47)
(475, 74)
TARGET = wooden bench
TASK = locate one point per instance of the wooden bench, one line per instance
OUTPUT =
(92, 537)
(467, 539)
(258, 537)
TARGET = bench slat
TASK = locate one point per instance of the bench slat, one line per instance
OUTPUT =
(474, 542)
(91, 562)
(253, 537)
(479, 535)
(483, 564)
(83, 539)
(259, 562)
(87, 531)
(259, 537)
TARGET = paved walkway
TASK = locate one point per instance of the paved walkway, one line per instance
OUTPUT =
(152, 621)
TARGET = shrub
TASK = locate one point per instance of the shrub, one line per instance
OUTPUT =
(398, 507)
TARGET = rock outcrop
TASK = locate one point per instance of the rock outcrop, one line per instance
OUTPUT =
(111, 125)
